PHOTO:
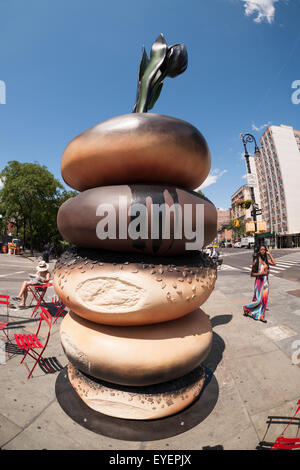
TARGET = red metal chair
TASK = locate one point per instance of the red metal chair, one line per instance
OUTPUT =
(287, 443)
(4, 300)
(38, 292)
(32, 342)
(60, 307)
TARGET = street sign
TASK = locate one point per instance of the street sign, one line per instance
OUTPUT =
(251, 180)
(258, 212)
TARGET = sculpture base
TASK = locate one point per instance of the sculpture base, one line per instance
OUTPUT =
(142, 403)
(137, 429)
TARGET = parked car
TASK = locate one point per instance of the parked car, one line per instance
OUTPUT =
(237, 245)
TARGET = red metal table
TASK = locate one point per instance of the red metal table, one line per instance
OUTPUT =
(38, 291)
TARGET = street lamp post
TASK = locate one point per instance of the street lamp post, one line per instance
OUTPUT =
(246, 139)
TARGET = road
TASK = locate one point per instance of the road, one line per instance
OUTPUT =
(240, 260)
(14, 270)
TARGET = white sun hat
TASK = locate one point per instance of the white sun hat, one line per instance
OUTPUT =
(42, 266)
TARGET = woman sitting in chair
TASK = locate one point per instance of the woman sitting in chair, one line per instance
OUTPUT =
(42, 275)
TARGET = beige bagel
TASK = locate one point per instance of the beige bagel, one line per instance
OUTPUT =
(137, 355)
(78, 218)
(121, 289)
(137, 148)
(144, 404)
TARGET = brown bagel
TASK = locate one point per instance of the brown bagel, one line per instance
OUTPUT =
(137, 148)
(137, 355)
(77, 218)
(154, 402)
(121, 289)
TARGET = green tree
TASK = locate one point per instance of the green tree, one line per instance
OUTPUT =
(237, 231)
(30, 197)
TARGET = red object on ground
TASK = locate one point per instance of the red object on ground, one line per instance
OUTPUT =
(60, 307)
(38, 291)
(32, 342)
(287, 443)
(4, 300)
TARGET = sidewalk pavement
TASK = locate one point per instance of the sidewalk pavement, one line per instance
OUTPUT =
(251, 361)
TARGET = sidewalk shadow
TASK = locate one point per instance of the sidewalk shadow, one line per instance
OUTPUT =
(52, 309)
(52, 363)
(284, 420)
(218, 346)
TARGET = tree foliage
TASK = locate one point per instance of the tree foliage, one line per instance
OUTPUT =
(237, 231)
(30, 198)
(200, 192)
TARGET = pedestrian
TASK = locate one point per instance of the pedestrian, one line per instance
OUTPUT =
(41, 276)
(52, 252)
(260, 270)
(46, 252)
(213, 253)
(208, 251)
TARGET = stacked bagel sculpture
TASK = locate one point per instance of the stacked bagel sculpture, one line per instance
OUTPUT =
(135, 337)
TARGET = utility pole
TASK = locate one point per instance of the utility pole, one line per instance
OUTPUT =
(249, 138)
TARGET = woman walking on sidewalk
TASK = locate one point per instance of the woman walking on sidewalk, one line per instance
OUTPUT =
(260, 270)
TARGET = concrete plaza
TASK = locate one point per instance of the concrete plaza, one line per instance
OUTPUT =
(252, 363)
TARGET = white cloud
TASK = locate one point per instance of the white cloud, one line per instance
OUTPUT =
(212, 178)
(244, 176)
(264, 9)
(260, 128)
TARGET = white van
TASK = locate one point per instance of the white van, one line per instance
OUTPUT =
(247, 242)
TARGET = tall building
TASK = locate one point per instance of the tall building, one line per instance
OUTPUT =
(278, 172)
(237, 212)
(224, 217)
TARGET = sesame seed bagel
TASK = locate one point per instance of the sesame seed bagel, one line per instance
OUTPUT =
(130, 289)
(152, 402)
(80, 217)
(137, 355)
(137, 148)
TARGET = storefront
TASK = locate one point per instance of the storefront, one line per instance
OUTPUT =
(266, 238)
(288, 241)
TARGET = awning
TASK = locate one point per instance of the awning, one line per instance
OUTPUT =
(266, 235)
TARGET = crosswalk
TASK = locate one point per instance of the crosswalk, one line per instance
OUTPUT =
(280, 267)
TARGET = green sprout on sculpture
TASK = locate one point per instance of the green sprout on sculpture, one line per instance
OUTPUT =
(163, 62)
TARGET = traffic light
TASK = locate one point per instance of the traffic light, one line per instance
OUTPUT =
(236, 223)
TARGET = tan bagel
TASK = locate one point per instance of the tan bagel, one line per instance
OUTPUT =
(145, 403)
(137, 355)
(121, 289)
(137, 148)
(79, 218)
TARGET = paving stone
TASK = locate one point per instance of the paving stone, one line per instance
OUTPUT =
(53, 429)
(8, 430)
(265, 381)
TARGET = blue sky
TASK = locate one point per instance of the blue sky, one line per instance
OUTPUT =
(68, 65)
